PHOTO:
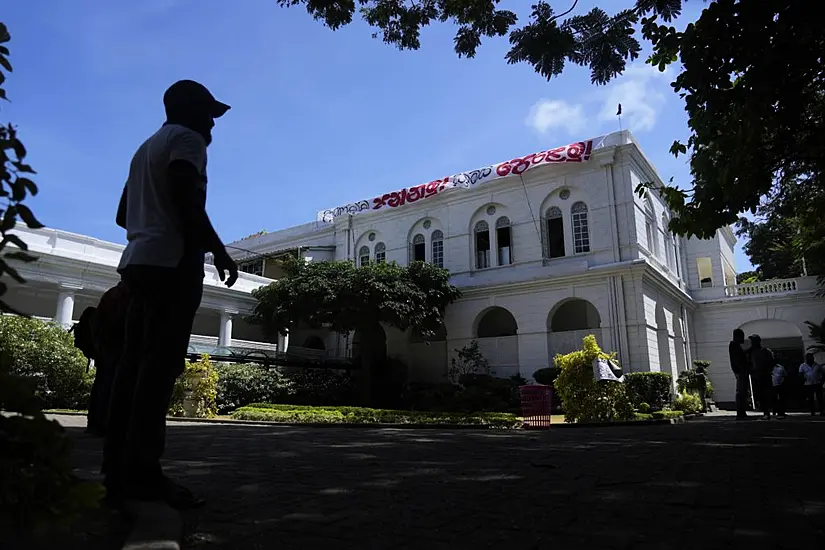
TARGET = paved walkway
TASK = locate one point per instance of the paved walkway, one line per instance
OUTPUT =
(712, 484)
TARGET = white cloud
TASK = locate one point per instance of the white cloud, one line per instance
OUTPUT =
(641, 91)
(549, 114)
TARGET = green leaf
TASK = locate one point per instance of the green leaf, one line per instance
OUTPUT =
(27, 217)
(9, 219)
(20, 256)
(6, 268)
(15, 240)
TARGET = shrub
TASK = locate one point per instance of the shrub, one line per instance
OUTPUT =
(242, 384)
(689, 403)
(469, 361)
(428, 396)
(546, 375)
(320, 387)
(653, 388)
(37, 484)
(585, 399)
(643, 407)
(195, 391)
(695, 379)
(361, 415)
(45, 352)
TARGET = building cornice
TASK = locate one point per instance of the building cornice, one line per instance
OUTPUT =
(619, 268)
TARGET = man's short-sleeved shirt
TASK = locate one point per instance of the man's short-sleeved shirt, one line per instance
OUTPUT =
(152, 224)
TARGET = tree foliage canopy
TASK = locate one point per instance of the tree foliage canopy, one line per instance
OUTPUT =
(752, 81)
(773, 246)
(345, 298)
(547, 42)
(15, 185)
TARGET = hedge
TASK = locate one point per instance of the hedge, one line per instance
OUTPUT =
(659, 415)
(44, 353)
(358, 415)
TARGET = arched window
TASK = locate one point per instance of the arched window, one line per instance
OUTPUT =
(364, 256)
(437, 243)
(581, 230)
(504, 241)
(380, 253)
(418, 249)
(482, 244)
(555, 232)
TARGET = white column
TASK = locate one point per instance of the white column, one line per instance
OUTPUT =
(65, 307)
(283, 342)
(225, 335)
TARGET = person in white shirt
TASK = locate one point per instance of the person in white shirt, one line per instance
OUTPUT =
(812, 376)
(163, 209)
(778, 377)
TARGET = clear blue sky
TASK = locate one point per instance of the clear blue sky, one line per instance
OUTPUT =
(318, 117)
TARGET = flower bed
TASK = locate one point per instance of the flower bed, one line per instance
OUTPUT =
(359, 415)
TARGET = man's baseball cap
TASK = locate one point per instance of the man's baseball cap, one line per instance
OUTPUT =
(188, 94)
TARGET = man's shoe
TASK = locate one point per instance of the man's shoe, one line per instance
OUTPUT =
(181, 498)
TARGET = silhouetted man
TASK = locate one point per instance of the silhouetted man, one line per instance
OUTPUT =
(163, 209)
(763, 363)
(812, 378)
(741, 369)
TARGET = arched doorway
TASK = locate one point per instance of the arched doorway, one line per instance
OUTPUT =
(785, 341)
(568, 323)
(428, 356)
(314, 342)
(369, 352)
(496, 331)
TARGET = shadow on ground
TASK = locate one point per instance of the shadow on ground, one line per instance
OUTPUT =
(705, 484)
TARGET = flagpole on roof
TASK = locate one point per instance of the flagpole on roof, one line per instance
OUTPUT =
(619, 114)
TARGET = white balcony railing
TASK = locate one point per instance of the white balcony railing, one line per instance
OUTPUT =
(776, 286)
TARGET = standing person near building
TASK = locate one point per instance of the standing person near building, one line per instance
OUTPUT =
(763, 363)
(163, 209)
(107, 332)
(778, 378)
(740, 366)
(812, 377)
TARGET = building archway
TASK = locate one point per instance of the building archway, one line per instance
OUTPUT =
(568, 322)
(496, 322)
(496, 332)
(369, 352)
(314, 342)
(428, 355)
(785, 341)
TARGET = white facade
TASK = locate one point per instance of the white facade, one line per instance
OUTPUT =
(658, 300)
(542, 259)
(73, 271)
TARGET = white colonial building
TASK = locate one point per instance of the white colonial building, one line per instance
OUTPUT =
(545, 248)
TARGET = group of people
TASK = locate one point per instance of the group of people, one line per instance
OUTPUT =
(759, 375)
(140, 330)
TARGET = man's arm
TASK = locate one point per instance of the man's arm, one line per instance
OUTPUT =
(120, 218)
(190, 200)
